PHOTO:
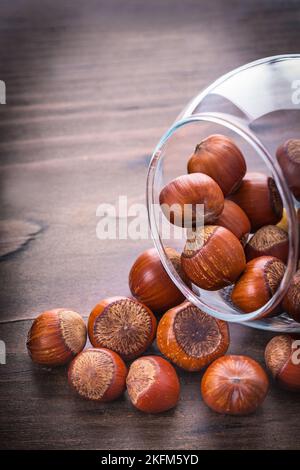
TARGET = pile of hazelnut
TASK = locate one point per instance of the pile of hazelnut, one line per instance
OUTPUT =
(216, 255)
(236, 204)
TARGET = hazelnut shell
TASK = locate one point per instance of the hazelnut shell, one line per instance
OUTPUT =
(152, 384)
(213, 257)
(182, 199)
(220, 158)
(150, 283)
(123, 325)
(98, 374)
(56, 336)
(234, 385)
(259, 198)
(282, 358)
(190, 338)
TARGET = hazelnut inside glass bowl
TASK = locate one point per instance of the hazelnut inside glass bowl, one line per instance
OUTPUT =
(258, 106)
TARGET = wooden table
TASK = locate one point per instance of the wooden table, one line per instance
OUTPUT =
(91, 87)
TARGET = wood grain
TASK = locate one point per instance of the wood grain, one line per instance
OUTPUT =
(91, 87)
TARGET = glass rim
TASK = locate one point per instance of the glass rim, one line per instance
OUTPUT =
(192, 105)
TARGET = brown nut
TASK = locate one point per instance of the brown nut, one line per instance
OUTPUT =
(98, 374)
(123, 325)
(269, 240)
(288, 156)
(213, 257)
(234, 385)
(235, 220)
(291, 301)
(220, 158)
(152, 384)
(56, 336)
(282, 356)
(150, 283)
(191, 338)
(258, 196)
(180, 198)
(258, 283)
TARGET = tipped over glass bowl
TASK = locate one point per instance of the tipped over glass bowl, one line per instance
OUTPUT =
(258, 106)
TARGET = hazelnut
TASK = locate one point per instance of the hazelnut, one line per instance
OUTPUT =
(220, 158)
(123, 325)
(258, 196)
(213, 257)
(291, 301)
(235, 220)
(283, 361)
(288, 156)
(191, 338)
(179, 200)
(234, 385)
(98, 374)
(150, 283)
(258, 283)
(152, 384)
(56, 336)
(269, 240)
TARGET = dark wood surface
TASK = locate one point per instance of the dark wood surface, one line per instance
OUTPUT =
(91, 87)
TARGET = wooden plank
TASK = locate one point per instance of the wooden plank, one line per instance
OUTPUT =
(43, 413)
(91, 87)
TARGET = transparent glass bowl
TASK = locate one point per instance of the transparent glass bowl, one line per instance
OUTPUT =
(258, 105)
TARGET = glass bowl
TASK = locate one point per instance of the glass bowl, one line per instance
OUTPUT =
(258, 105)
